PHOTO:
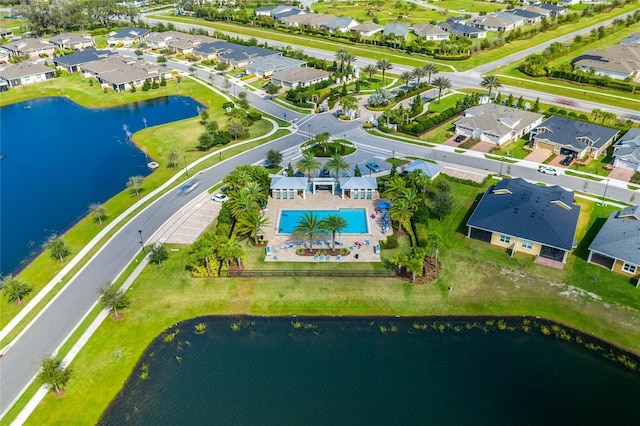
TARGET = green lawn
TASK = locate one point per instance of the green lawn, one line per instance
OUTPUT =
(514, 150)
(385, 11)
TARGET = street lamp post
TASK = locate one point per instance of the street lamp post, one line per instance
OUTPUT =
(501, 163)
(142, 241)
(604, 194)
(309, 133)
(186, 170)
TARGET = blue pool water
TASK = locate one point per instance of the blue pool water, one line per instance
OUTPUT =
(58, 157)
(356, 219)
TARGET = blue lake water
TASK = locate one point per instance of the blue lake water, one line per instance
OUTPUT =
(356, 219)
(58, 157)
(374, 371)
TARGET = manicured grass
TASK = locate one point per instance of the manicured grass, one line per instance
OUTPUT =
(446, 102)
(485, 281)
(385, 11)
(441, 133)
(515, 149)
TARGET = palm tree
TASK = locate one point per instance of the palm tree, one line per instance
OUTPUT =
(370, 69)
(173, 157)
(406, 76)
(340, 56)
(309, 225)
(254, 190)
(252, 223)
(419, 73)
(394, 187)
(98, 212)
(242, 203)
(441, 83)
(384, 65)
(490, 82)
(349, 58)
(401, 211)
(308, 164)
(335, 224)
(430, 68)
(349, 103)
(229, 250)
(337, 164)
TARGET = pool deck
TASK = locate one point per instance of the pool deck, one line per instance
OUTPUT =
(283, 247)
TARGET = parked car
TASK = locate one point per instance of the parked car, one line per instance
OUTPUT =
(460, 138)
(548, 170)
(221, 198)
(567, 160)
(373, 167)
(241, 74)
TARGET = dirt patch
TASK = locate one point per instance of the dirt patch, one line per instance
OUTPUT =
(431, 272)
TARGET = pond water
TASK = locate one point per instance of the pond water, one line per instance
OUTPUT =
(58, 157)
(355, 371)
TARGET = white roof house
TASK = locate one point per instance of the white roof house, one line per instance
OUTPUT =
(430, 169)
(287, 188)
(497, 123)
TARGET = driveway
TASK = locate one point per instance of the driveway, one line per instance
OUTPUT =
(483, 147)
(621, 173)
(538, 155)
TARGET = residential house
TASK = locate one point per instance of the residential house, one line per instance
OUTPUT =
(278, 12)
(393, 29)
(72, 41)
(299, 76)
(556, 10)
(430, 32)
(266, 66)
(121, 73)
(25, 73)
(430, 169)
(492, 23)
(288, 188)
(73, 61)
(238, 55)
(363, 188)
(5, 33)
(616, 245)
(619, 62)
(127, 36)
(496, 123)
(455, 27)
(546, 13)
(31, 47)
(367, 29)
(579, 139)
(632, 40)
(4, 56)
(342, 24)
(527, 218)
(308, 20)
(626, 152)
(182, 43)
(529, 16)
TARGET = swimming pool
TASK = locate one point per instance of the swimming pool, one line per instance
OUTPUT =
(356, 219)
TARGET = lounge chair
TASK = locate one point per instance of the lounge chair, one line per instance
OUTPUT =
(315, 257)
(322, 258)
(291, 245)
(268, 250)
(352, 248)
(367, 242)
(339, 257)
(276, 258)
(327, 257)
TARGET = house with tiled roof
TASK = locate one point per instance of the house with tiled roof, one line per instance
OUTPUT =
(238, 55)
(456, 27)
(430, 169)
(556, 10)
(617, 244)
(31, 47)
(181, 42)
(619, 62)
(266, 66)
(120, 73)
(75, 41)
(626, 152)
(529, 16)
(25, 73)
(367, 29)
(72, 62)
(579, 139)
(526, 218)
(496, 123)
(492, 23)
(299, 77)
(430, 32)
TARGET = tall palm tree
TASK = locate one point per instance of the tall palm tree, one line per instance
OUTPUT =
(430, 68)
(441, 83)
(490, 82)
(335, 224)
(309, 225)
(308, 164)
(242, 203)
(252, 223)
(394, 187)
(229, 250)
(370, 69)
(337, 164)
(402, 212)
(406, 76)
(419, 73)
(340, 56)
(254, 189)
(384, 65)
(349, 58)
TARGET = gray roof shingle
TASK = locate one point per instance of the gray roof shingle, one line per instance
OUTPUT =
(619, 237)
(564, 131)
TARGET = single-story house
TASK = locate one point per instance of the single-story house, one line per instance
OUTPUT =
(362, 188)
(5, 33)
(31, 47)
(430, 32)
(524, 217)
(529, 16)
(457, 28)
(616, 245)
(72, 41)
(127, 36)
(300, 76)
(430, 169)
(539, 10)
(288, 188)
(24, 73)
(310, 20)
(4, 56)
(492, 23)
(626, 152)
(72, 62)
(278, 12)
(341, 24)
(176, 40)
(619, 62)
(265, 66)
(367, 29)
(632, 40)
(496, 123)
(238, 55)
(555, 9)
(118, 72)
(579, 139)
(396, 30)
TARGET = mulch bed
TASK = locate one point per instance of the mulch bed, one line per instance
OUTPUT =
(431, 272)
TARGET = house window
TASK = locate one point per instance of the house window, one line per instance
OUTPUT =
(284, 194)
(628, 267)
(292, 194)
(369, 194)
(505, 239)
(527, 245)
(277, 194)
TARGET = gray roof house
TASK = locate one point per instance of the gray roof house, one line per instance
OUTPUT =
(358, 187)
(342, 24)
(367, 29)
(529, 16)
(626, 152)
(31, 47)
(430, 32)
(633, 39)
(73, 61)
(619, 62)
(278, 12)
(176, 40)
(118, 72)
(299, 76)
(24, 73)
(496, 123)
(524, 217)
(127, 36)
(311, 20)
(238, 55)
(457, 28)
(565, 136)
(265, 66)
(617, 244)
(395, 29)
(492, 22)
(430, 169)
(553, 8)
(72, 41)
(288, 188)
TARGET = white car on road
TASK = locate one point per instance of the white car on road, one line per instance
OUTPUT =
(221, 198)
(548, 170)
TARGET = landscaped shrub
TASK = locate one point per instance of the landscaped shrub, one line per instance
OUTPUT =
(390, 243)
(422, 235)
(254, 116)
(228, 105)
